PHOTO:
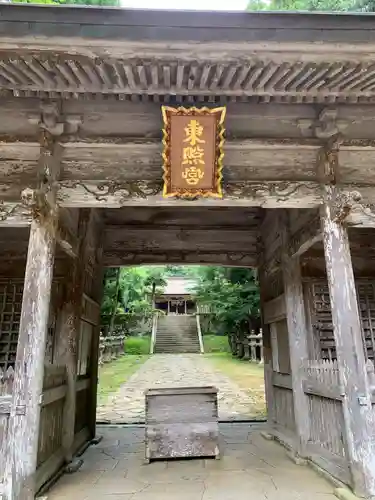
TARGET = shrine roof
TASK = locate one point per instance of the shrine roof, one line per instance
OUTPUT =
(179, 285)
(51, 51)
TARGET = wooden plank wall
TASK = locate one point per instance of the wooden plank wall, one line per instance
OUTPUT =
(51, 456)
(326, 444)
(6, 387)
(325, 441)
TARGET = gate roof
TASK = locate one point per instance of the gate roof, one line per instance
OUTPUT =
(186, 56)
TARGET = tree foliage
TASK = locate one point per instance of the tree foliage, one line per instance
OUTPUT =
(137, 287)
(313, 5)
(104, 3)
(232, 295)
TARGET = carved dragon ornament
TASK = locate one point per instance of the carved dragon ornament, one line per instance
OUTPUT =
(347, 201)
(126, 190)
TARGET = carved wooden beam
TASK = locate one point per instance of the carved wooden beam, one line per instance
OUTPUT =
(352, 206)
(14, 214)
(113, 194)
(305, 238)
(179, 239)
(230, 259)
(20, 215)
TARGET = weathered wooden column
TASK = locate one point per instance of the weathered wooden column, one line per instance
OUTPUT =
(67, 341)
(29, 368)
(359, 421)
(297, 333)
(97, 292)
(268, 365)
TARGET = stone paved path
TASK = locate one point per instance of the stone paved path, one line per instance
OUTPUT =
(174, 370)
(250, 468)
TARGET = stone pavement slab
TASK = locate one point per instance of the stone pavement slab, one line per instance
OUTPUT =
(250, 467)
(175, 370)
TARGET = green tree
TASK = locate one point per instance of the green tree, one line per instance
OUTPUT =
(313, 5)
(155, 279)
(104, 3)
(232, 295)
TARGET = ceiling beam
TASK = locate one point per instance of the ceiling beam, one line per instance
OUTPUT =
(306, 237)
(230, 259)
(112, 194)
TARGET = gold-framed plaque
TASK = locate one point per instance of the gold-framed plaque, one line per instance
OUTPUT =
(193, 140)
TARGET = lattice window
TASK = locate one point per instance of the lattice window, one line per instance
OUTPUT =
(10, 312)
(322, 321)
(366, 303)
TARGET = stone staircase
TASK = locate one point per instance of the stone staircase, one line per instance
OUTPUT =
(176, 334)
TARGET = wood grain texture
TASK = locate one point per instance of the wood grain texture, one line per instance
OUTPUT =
(181, 422)
(274, 310)
(297, 334)
(24, 430)
(358, 415)
(68, 338)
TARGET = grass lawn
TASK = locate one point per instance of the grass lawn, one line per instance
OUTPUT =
(113, 375)
(248, 376)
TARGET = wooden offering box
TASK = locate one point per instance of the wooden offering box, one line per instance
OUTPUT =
(182, 423)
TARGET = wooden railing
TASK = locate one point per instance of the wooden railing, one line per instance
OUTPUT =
(199, 330)
(111, 348)
(153, 333)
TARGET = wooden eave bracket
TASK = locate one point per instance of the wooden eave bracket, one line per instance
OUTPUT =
(52, 120)
(67, 241)
(35, 205)
(305, 238)
(325, 126)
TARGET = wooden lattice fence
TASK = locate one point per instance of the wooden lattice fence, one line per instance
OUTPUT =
(6, 386)
(326, 442)
(321, 317)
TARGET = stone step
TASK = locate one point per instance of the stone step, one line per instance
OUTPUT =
(176, 334)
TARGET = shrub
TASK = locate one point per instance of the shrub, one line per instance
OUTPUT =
(137, 345)
(216, 343)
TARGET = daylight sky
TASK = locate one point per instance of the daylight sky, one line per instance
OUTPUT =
(186, 4)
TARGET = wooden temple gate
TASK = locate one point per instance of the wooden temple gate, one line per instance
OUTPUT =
(80, 189)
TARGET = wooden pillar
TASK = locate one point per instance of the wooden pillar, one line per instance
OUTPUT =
(358, 414)
(23, 433)
(67, 342)
(268, 366)
(97, 295)
(29, 369)
(297, 334)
